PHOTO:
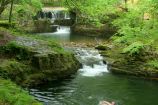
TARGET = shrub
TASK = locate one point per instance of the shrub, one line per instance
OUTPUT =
(153, 63)
(134, 48)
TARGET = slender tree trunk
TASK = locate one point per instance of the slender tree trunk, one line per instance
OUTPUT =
(125, 3)
(1, 10)
(11, 9)
(3, 4)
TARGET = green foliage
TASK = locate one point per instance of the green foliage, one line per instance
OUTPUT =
(14, 49)
(6, 24)
(23, 12)
(134, 49)
(153, 63)
(92, 11)
(10, 94)
(53, 3)
(137, 26)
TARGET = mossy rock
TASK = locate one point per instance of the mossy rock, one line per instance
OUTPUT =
(42, 26)
(102, 47)
(11, 69)
(36, 60)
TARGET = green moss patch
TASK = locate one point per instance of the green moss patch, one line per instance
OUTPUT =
(153, 64)
(10, 94)
(11, 69)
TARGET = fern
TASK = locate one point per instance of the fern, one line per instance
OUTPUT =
(134, 49)
(153, 63)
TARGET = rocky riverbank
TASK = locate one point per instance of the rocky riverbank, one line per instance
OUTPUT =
(121, 63)
(88, 30)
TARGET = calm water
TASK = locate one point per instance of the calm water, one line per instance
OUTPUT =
(93, 83)
(63, 35)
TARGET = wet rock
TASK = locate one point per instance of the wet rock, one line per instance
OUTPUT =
(43, 25)
(102, 47)
(105, 30)
(135, 68)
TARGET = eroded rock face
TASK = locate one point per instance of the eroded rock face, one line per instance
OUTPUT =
(105, 30)
(46, 61)
(120, 63)
(135, 68)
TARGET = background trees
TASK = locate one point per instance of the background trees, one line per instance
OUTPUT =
(3, 5)
(94, 12)
(138, 26)
(22, 10)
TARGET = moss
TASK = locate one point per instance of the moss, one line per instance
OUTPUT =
(153, 64)
(13, 49)
(10, 94)
(6, 24)
(141, 65)
(35, 79)
(11, 69)
(102, 47)
(42, 26)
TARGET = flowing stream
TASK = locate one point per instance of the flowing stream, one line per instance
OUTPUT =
(94, 83)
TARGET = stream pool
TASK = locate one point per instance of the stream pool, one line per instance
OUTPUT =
(94, 83)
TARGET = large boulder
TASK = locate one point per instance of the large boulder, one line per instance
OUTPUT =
(34, 62)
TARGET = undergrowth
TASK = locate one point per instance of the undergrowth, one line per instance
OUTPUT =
(14, 95)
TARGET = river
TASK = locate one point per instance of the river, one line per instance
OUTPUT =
(93, 82)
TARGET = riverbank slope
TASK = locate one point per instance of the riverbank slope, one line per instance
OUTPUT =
(30, 61)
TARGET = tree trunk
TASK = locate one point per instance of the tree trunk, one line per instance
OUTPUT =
(3, 4)
(11, 9)
(1, 10)
(125, 3)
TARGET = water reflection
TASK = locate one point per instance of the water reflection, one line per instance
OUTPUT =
(63, 34)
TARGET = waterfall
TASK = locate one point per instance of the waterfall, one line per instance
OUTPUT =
(63, 30)
(53, 15)
(92, 62)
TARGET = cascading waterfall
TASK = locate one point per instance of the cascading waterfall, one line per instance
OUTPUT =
(53, 15)
(92, 62)
(63, 30)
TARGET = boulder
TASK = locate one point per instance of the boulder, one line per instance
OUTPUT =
(32, 62)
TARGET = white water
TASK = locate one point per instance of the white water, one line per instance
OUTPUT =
(63, 30)
(92, 62)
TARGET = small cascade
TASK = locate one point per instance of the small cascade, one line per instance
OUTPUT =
(92, 62)
(53, 15)
(63, 30)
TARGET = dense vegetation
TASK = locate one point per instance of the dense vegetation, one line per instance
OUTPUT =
(93, 12)
(14, 95)
(137, 29)
(19, 13)
(134, 44)
(136, 23)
